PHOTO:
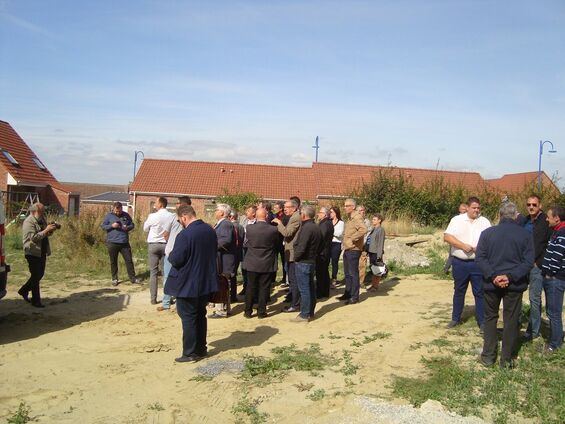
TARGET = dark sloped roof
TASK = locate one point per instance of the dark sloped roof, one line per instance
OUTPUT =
(109, 196)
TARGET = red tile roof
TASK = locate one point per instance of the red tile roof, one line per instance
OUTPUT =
(274, 181)
(512, 183)
(27, 171)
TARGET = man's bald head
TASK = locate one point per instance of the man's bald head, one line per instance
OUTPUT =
(261, 214)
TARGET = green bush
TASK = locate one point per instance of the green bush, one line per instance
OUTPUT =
(435, 202)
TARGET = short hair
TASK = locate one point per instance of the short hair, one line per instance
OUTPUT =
(532, 196)
(35, 207)
(558, 211)
(184, 200)
(224, 207)
(163, 201)
(280, 204)
(308, 211)
(361, 207)
(116, 205)
(351, 201)
(233, 214)
(254, 207)
(508, 210)
(379, 216)
(325, 211)
(267, 205)
(473, 199)
(296, 200)
(337, 212)
(186, 210)
(294, 204)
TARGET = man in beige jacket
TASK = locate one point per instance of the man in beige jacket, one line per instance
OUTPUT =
(353, 238)
(289, 233)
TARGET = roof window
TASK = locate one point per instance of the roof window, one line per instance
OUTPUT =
(10, 157)
(39, 164)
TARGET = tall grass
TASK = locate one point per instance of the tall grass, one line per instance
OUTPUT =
(80, 245)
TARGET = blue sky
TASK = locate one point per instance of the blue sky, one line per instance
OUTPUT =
(463, 85)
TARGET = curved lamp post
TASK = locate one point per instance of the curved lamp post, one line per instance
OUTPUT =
(552, 150)
(137, 152)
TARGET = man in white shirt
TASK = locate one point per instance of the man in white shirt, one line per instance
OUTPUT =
(462, 234)
(175, 228)
(158, 225)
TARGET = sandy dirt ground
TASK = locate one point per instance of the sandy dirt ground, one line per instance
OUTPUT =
(99, 354)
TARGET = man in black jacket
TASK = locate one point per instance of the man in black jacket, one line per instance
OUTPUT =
(323, 259)
(536, 224)
(505, 256)
(260, 262)
(306, 248)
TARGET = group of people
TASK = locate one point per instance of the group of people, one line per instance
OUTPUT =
(195, 274)
(501, 262)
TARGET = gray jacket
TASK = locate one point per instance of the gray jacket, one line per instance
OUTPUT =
(33, 236)
(377, 243)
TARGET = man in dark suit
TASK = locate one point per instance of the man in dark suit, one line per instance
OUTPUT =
(505, 256)
(260, 262)
(193, 277)
(323, 259)
(227, 251)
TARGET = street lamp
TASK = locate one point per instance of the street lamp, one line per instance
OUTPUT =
(137, 152)
(541, 144)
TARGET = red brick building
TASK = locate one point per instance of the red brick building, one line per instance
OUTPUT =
(24, 179)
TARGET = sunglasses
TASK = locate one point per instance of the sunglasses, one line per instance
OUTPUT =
(531, 204)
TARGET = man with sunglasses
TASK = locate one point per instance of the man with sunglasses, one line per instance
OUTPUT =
(536, 224)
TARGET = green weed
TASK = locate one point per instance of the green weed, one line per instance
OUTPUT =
(21, 416)
(317, 395)
(247, 409)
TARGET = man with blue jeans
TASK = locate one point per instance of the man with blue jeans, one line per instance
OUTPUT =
(537, 226)
(173, 231)
(306, 249)
(353, 239)
(462, 234)
(553, 270)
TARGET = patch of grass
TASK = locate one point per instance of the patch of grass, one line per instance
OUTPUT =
(317, 395)
(246, 409)
(333, 336)
(201, 378)
(441, 343)
(348, 367)
(416, 346)
(376, 336)
(263, 370)
(155, 407)
(436, 256)
(534, 389)
(21, 416)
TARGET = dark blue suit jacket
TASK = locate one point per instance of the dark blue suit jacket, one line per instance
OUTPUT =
(194, 272)
(505, 249)
(227, 251)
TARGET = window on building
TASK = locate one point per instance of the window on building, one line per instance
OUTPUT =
(39, 164)
(8, 156)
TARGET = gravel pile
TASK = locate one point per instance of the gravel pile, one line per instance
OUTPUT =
(431, 412)
(396, 250)
(216, 367)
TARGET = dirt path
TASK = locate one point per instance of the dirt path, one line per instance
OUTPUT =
(104, 355)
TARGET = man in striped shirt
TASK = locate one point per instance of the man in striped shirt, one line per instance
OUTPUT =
(553, 270)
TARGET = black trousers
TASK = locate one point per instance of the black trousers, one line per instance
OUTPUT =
(322, 276)
(37, 270)
(258, 287)
(233, 283)
(192, 312)
(124, 248)
(511, 307)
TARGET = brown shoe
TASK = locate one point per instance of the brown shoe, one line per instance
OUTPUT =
(161, 309)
